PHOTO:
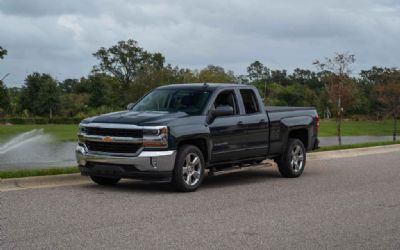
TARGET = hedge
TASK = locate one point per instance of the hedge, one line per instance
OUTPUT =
(41, 120)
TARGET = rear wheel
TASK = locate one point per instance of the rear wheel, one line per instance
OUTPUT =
(105, 181)
(189, 168)
(293, 161)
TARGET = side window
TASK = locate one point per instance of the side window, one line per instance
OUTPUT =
(227, 98)
(249, 101)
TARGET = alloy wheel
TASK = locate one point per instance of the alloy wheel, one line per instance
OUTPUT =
(297, 161)
(191, 170)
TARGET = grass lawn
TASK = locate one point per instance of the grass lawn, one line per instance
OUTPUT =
(328, 128)
(67, 132)
(62, 132)
(18, 173)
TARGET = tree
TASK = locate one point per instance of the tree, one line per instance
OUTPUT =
(3, 52)
(4, 99)
(292, 95)
(339, 85)
(389, 94)
(126, 60)
(259, 74)
(213, 73)
(40, 94)
(131, 65)
(280, 76)
(103, 90)
(369, 81)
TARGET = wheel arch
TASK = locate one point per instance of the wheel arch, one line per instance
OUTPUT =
(301, 134)
(201, 143)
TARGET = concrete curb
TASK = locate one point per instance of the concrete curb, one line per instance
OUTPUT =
(42, 181)
(344, 153)
(76, 179)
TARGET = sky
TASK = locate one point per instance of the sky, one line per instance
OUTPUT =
(59, 37)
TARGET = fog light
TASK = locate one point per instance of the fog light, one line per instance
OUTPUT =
(82, 162)
(153, 161)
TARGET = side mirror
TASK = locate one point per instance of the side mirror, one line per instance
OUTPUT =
(221, 111)
(130, 105)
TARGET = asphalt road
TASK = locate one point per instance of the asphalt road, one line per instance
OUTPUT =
(350, 203)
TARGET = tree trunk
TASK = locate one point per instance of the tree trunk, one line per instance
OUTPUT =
(339, 127)
(394, 126)
(265, 90)
(51, 113)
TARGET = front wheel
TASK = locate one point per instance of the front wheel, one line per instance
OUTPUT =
(293, 161)
(189, 168)
(104, 180)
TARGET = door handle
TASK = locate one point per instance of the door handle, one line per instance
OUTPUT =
(262, 121)
(240, 123)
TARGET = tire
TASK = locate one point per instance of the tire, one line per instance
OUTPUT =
(104, 181)
(189, 169)
(293, 161)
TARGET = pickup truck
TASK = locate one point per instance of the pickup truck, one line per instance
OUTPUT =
(177, 132)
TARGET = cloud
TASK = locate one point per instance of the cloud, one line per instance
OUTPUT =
(59, 37)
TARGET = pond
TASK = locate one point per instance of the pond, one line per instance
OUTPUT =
(35, 149)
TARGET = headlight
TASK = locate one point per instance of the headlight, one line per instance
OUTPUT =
(155, 137)
(82, 129)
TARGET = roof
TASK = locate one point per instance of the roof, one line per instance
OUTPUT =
(211, 86)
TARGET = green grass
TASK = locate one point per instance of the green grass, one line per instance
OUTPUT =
(67, 132)
(62, 132)
(18, 173)
(354, 128)
(359, 145)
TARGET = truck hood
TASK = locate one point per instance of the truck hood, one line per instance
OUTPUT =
(136, 118)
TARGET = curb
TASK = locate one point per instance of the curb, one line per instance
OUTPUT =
(76, 179)
(42, 181)
(345, 153)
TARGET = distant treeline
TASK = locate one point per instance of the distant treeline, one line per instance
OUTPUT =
(125, 72)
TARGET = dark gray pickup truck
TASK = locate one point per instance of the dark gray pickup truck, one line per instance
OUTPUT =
(176, 132)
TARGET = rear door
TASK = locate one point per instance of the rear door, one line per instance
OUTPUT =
(228, 133)
(256, 123)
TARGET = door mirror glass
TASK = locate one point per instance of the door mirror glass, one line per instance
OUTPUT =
(224, 110)
(130, 105)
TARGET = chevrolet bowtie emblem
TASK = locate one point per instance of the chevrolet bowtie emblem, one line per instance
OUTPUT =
(107, 139)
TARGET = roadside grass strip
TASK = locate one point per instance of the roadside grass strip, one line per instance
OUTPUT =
(359, 145)
(19, 173)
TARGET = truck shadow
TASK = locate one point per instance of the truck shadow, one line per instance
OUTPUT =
(245, 177)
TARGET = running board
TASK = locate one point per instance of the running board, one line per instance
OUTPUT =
(239, 168)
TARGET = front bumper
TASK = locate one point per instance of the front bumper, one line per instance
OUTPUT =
(151, 165)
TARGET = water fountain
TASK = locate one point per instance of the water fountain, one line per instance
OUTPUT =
(36, 149)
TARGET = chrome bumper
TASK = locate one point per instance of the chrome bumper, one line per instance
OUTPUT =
(148, 161)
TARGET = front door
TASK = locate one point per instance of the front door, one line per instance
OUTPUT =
(228, 133)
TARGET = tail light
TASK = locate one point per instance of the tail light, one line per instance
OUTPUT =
(317, 121)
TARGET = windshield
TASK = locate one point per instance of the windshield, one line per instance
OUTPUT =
(172, 100)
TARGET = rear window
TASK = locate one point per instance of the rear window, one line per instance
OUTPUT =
(249, 101)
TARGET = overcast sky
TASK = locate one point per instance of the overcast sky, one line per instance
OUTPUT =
(59, 37)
